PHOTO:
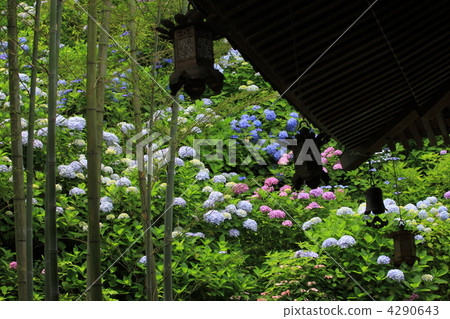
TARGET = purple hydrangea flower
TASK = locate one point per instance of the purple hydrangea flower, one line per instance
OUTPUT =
(178, 201)
(245, 205)
(77, 191)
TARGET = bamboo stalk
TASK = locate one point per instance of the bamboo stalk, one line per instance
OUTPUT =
(51, 244)
(30, 177)
(102, 69)
(17, 151)
(152, 288)
(168, 216)
(93, 254)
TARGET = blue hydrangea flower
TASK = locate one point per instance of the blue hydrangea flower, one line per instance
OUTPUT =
(197, 234)
(423, 204)
(245, 205)
(186, 151)
(207, 101)
(216, 196)
(250, 224)
(270, 115)
(214, 217)
(126, 127)
(278, 154)
(110, 138)
(76, 123)
(329, 242)
(123, 181)
(202, 175)
(106, 207)
(409, 207)
(346, 241)
(383, 260)
(396, 274)
(291, 124)
(388, 202)
(344, 211)
(219, 179)
(256, 107)
(143, 260)
(77, 166)
(234, 233)
(442, 209)
(393, 208)
(257, 123)
(179, 161)
(305, 254)
(272, 148)
(77, 191)
(293, 114)
(231, 209)
(241, 213)
(244, 124)
(59, 210)
(432, 200)
(209, 203)
(443, 215)
(423, 214)
(283, 135)
(419, 237)
(4, 169)
(254, 135)
(66, 171)
(178, 201)
(420, 227)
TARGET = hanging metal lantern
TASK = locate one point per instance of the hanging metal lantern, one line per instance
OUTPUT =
(375, 205)
(192, 39)
(404, 247)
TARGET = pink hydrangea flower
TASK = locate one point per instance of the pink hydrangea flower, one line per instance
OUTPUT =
(337, 166)
(313, 205)
(267, 188)
(316, 192)
(271, 181)
(329, 150)
(283, 194)
(338, 152)
(13, 265)
(265, 209)
(324, 169)
(447, 195)
(324, 160)
(284, 160)
(239, 188)
(328, 196)
(285, 187)
(277, 214)
(287, 223)
(443, 152)
(303, 195)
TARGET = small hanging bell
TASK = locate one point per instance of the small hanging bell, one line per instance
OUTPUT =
(375, 205)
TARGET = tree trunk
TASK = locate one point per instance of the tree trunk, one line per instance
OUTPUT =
(94, 285)
(30, 177)
(17, 151)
